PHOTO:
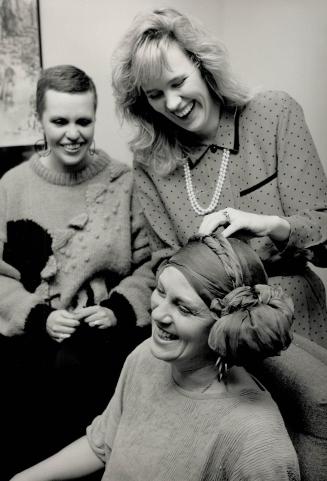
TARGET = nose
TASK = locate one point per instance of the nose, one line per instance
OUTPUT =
(172, 100)
(72, 132)
(160, 314)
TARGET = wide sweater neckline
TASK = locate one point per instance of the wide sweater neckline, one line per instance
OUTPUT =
(98, 163)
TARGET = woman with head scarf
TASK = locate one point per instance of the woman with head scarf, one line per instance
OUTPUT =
(185, 408)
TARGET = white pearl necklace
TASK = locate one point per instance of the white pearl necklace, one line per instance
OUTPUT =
(216, 195)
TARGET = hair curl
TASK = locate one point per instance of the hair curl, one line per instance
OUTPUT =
(142, 54)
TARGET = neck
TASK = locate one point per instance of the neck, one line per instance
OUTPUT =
(196, 379)
(55, 166)
(209, 135)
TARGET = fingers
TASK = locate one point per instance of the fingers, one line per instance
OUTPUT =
(234, 226)
(96, 323)
(100, 317)
(67, 315)
(85, 312)
(63, 329)
(91, 315)
(99, 320)
(61, 324)
(211, 222)
(60, 333)
(59, 337)
(93, 319)
(253, 225)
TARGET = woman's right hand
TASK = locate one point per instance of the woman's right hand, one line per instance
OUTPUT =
(256, 225)
(61, 324)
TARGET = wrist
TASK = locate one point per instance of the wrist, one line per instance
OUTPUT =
(280, 229)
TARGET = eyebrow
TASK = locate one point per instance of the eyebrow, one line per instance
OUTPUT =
(61, 116)
(186, 301)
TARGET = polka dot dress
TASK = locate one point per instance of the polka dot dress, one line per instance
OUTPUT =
(274, 169)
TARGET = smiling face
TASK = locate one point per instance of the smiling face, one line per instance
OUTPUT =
(68, 121)
(181, 95)
(180, 322)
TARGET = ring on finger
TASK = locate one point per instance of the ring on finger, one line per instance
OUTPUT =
(226, 214)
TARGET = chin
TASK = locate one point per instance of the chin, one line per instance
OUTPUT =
(168, 352)
(72, 162)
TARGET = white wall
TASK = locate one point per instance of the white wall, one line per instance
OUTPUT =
(278, 44)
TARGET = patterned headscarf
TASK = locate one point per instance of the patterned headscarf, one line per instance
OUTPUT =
(252, 318)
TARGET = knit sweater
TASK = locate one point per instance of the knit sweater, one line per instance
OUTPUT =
(69, 240)
(154, 430)
(274, 169)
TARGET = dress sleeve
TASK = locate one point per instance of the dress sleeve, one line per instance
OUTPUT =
(162, 237)
(302, 182)
(16, 302)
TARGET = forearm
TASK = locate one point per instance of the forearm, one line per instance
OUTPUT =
(279, 229)
(75, 460)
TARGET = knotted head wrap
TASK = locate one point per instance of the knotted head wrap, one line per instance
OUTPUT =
(253, 319)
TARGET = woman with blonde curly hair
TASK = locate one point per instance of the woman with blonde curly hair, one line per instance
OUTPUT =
(185, 408)
(208, 153)
(157, 139)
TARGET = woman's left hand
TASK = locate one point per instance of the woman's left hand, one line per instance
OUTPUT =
(97, 316)
(259, 225)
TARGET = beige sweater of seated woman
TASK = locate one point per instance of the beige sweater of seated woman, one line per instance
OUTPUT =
(153, 430)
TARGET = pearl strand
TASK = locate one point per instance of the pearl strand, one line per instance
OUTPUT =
(216, 195)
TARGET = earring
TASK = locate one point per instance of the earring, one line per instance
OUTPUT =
(222, 368)
(92, 148)
(41, 148)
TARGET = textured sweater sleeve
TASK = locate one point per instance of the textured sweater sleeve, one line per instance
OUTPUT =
(136, 289)
(264, 449)
(102, 431)
(15, 301)
(266, 460)
(302, 182)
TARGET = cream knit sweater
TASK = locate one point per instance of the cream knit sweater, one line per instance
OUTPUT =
(153, 430)
(68, 239)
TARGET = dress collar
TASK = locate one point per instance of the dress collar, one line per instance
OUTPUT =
(227, 136)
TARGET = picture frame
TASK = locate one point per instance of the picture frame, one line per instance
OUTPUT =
(20, 64)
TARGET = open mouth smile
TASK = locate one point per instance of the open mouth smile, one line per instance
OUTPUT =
(71, 148)
(186, 111)
(166, 336)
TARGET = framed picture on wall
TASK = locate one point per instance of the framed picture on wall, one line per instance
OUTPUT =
(20, 63)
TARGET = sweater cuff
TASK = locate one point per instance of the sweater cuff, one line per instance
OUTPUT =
(122, 309)
(37, 318)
